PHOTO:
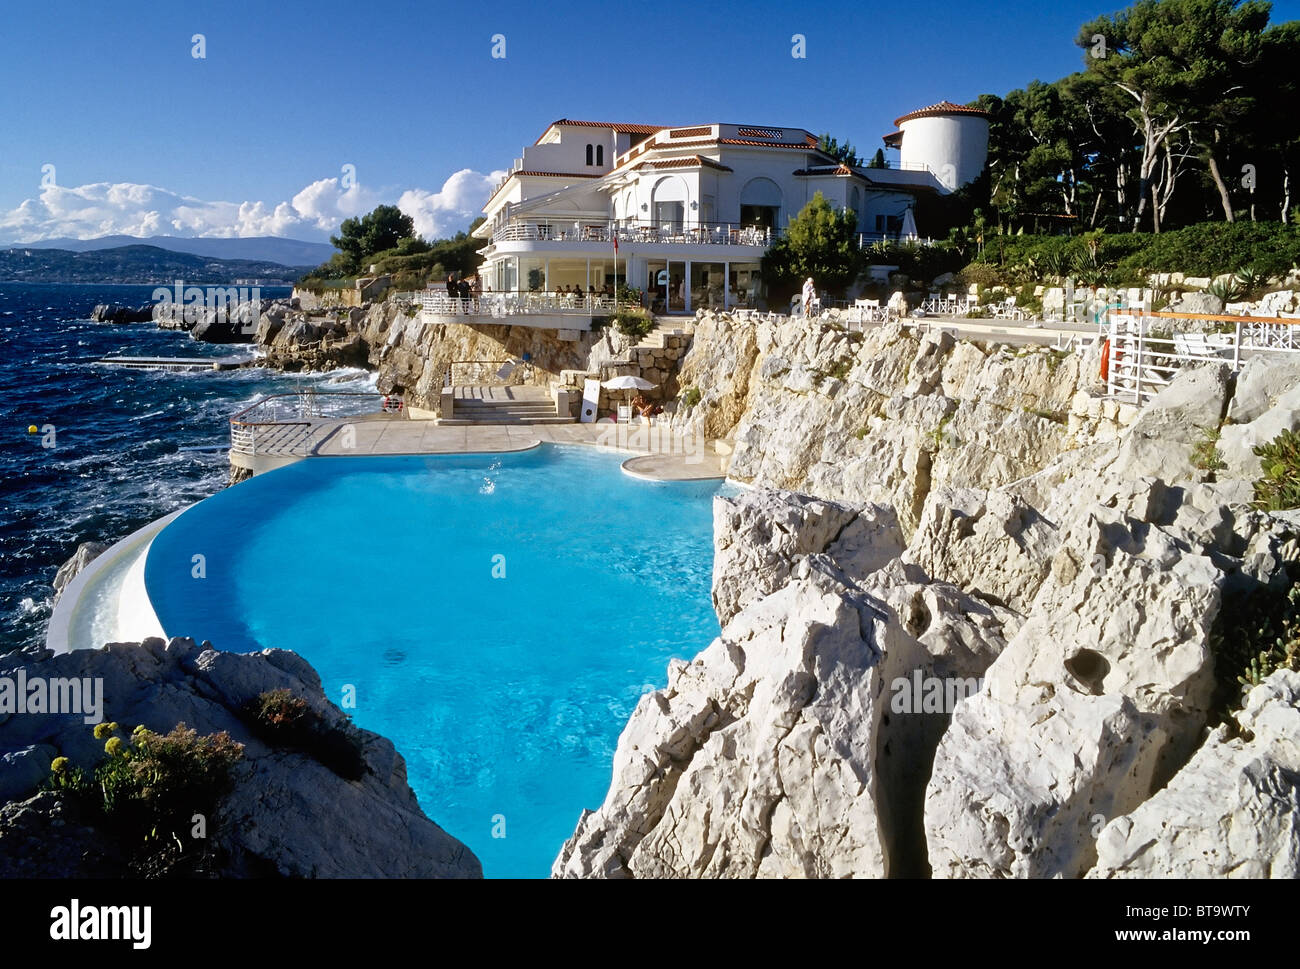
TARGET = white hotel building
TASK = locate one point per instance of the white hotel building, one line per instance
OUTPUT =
(694, 208)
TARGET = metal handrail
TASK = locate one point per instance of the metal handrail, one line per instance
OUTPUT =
(517, 303)
(604, 230)
(280, 416)
(1141, 364)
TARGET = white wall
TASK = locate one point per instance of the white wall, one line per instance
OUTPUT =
(959, 141)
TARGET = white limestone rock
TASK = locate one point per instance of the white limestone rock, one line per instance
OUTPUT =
(990, 543)
(1161, 441)
(86, 553)
(1232, 812)
(1238, 441)
(762, 534)
(1097, 700)
(1259, 385)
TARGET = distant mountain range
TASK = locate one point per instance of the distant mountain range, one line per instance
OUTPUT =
(286, 252)
(139, 264)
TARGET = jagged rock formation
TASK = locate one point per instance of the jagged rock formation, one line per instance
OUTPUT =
(886, 416)
(86, 553)
(410, 355)
(1232, 812)
(1077, 567)
(288, 813)
(114, 313)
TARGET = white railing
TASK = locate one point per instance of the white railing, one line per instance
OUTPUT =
(283, 423)
(700, 233)
(501, 305)
(1145, 352)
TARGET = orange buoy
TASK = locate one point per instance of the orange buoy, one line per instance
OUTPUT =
(1105, 359)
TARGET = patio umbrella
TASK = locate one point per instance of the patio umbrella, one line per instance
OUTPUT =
(628, 382)
(909, 225)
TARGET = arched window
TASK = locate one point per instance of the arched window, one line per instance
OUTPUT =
(669, 201)
(760, 203)
(589, 154)
(600, 154)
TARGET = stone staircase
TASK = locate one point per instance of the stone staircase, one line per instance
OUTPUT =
(665, 326)
(503, 405)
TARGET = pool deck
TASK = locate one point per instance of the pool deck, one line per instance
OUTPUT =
(654, 451)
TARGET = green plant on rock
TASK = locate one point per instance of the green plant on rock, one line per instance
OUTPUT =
(1279, 487)
(1251, 280)
(691, 396)
(284, 720)
(841, 369)
(1205, 455)
(149, 787)
(635, 323)
(1228, 290)
(1256, 634)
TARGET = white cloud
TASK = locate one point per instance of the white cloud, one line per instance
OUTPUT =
(127, 208)
(441, 213)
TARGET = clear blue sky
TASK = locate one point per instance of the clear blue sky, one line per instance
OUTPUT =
(408, 93)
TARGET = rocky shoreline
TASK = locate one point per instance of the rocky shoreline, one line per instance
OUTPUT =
(289, 812)
(979, 518)
(973, 613)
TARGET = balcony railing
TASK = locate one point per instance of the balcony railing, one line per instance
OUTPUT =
(511, 304)
(700, 233)
(283, 424)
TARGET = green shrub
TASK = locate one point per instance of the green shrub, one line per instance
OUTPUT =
(147, 790)
(980, 274)
(1205, 455)
(691, 397)
(1256, 633)
(1228, 290)
(635, 323)
(283, 720)
(1279, 487)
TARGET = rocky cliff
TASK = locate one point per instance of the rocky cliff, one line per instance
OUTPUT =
(990, 640)
(411, 355)
(289, 811)
(887, 416)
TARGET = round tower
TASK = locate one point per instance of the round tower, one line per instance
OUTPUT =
(951, 140)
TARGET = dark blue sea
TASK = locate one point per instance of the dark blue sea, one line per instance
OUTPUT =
(127, 443)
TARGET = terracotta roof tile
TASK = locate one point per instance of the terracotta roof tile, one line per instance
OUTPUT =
(942, 108)
(691, 161)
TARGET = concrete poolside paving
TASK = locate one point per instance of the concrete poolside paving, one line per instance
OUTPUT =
(654, 451)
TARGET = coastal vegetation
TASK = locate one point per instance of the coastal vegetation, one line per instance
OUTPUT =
(1279, 487)
(632, 321)
(821, 243)
(286, 721)
(148, 791)
(386, 239)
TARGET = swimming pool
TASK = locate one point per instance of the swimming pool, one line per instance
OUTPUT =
(498, 615)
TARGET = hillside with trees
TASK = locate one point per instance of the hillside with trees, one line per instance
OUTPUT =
(386, 239)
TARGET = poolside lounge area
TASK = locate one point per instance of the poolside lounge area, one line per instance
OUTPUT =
(654, 451)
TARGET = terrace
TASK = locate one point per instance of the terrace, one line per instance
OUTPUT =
(605, 231)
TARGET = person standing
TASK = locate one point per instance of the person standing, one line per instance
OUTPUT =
(809, 294)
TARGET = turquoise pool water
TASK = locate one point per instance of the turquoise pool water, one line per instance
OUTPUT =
(497, 615)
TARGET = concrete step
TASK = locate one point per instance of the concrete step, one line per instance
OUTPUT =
(519, 421)
(479, 405)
